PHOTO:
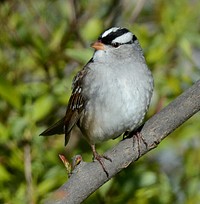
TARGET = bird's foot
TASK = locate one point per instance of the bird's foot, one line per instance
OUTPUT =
(100, 158)
(140, 139)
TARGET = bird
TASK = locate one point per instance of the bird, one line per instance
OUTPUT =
(111, 94)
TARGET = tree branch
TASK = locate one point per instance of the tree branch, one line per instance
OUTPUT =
(88, 177)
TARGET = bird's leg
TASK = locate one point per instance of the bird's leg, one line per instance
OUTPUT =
(99, 158)
(140, 138)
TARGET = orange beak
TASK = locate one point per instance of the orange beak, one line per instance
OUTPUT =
(97, 45)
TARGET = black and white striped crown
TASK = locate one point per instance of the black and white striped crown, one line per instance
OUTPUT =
(117, 35)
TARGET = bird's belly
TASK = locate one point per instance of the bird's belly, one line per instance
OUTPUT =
(110, 116)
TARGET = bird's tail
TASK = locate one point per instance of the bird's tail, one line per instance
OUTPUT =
(57, 128)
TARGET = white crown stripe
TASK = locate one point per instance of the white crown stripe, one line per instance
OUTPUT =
(126, 37)
(114, 29)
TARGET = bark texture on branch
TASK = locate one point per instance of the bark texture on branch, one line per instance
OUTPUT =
(88, 177)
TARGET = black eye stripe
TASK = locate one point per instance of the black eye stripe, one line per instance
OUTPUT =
(111, 36)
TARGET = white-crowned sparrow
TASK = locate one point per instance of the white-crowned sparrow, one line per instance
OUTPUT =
(111, 94)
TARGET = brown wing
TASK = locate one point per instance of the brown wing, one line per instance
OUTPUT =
(73, 112)
(75, 106)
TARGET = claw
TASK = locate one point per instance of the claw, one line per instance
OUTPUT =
(99, 159)
(140, 138)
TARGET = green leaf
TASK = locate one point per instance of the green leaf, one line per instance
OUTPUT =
(42, 107)
(92, 29)
(186, 47)
(81, 55)
(4, 175)
(9, 93)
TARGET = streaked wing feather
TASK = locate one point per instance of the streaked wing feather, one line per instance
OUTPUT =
(75, 105)
(73, 112)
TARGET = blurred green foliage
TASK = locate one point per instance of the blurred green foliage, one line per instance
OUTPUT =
(42, 45)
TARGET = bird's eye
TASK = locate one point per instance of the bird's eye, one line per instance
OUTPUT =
(115, 44)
